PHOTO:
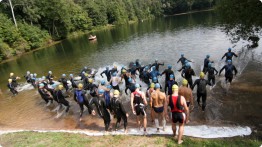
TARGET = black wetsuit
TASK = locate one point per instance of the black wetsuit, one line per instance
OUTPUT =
(206, 61)
(27, 78)
(131, 87)
(118, 109)
(183, 60)
(167, 72)
(146, 77)
(211, 75)
(44, 94)
(169, 84)
(12, 88)
(201, 91)
(73, 83)
(50, 78)
(64, 82)
(14, 82)
(187, 74)
(157, 65)
(94, 99)
(104, 112)
(80, 98)
(126, 80)
(62, 100)
(107, 73)
(113, 70)
(229, 68)
(229, 56)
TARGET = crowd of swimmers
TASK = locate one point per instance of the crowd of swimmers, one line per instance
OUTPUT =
(167, 102)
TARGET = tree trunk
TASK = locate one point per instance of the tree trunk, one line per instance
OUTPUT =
(11, 6)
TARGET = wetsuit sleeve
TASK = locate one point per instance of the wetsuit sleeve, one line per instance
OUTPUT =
(222, 69)
(224, 56)
(102, 73)
(195, 83)
(216, 71)
(194, 74)
(182, 74)
(208, 83)
(75, 96)
(235, 55)
(179, 60)
(188, 60)
(163, 72)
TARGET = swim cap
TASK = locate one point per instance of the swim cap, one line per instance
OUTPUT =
(41, 85)
(54, 86)
(184, 82)
(90, 80)
(50, 72)
(115, 66)
(11, 74)
(31, 75)
(114, 74)
(202, 75)
(28, 72)
(107, 68)
(85, 67)
(209, 64)
(157, 85)
(116, 92)
(124, 71)
(80, 85)
(207, 56)
(134, 64)
(153, 68)
(63, 75)
(229, 49)
(186, 61)
(103, 82)
(229, 61)
(156, 60)
(101, 91)
(146, 68)
(188, 65)
(35, 74)
(182, 55)
(152, 85)
(10, 80)
(43, 77)
(137, 85)
(60, 87)
(171, 76)
(109, 86)
(154, 79)
(169, 66)
(83, 72)
(129, 80)
(86, 74)
(174, 88)
(71, 75)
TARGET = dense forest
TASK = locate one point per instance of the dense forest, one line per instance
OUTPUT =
(38, 23)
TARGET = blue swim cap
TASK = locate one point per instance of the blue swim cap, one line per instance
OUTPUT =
(107, 68)
(137, 85)
(229, 61)
(71, 75)
(134, 64)
(171, 76)
(208, 56)
(103, 82)
(54, 86)
(188, 65)
(114, 74)
(153, 68)
(156, 60)
(182, 55)
(146, 68)
(109, 86)
(157, 85)
(229, 49)
(154, 79)
(186, 61)
(169, 66)
(209, 64)
(63, 75)
(101, 91)
(129, 80)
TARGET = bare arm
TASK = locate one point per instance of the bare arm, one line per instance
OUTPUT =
(183, 103)
(144, 98)
(131, 101)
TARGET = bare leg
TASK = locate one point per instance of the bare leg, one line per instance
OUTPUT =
(138, 122)
(180, 133)
(174, 129)
(145, 123)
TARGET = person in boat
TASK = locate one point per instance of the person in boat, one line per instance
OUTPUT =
(80, 98)
(206, 62)
(138, 104)
(187, 94)
(182, 59)
(180, 112)
(229, 55)
(118, 110)
(229, 69)
(211, 74)
(46, 96)
(107, 72)
(11, 87)
(201, 90)
(170, 83)
(27, 77)
(50, 77)
(188, 73)
(156, 65)
(167, 72)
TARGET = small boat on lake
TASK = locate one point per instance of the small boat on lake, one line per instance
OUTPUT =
(91, 37)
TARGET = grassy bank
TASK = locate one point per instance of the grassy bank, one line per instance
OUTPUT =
(66, 139)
